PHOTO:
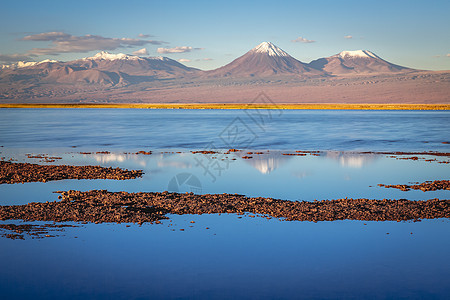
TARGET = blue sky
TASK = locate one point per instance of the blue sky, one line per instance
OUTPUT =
(207, 34)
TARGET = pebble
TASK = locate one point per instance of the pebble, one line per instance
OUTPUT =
(26, 172)
(99, 206)
(425, 186)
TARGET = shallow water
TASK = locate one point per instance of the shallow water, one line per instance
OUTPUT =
(332, 175)
(237, 257)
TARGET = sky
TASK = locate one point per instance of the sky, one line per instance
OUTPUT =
(210, 34)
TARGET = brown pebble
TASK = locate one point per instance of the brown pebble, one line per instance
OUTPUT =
(99, 206)
(425, 186)
(25, 172)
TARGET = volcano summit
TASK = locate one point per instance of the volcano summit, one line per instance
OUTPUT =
(266, 59)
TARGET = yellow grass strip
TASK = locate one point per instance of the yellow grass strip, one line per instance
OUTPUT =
(231, 106)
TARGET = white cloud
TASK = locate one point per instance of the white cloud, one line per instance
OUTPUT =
(302, 40)
(348, 37)
(65, 43)
(448, 55)
(181, 49)
(141, 35)
(142, 51)
(184, 60)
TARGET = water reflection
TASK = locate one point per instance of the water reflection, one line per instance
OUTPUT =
(115, 157)
(301, 174)
(174, 164)
(352, 160)
(106, 158)
(267, 162)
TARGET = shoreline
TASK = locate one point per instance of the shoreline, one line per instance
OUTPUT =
(281, 106)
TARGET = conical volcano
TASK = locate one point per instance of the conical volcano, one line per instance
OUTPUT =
(356, 62)
(264, 60)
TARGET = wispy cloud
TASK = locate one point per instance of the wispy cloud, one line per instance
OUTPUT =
(184, 60)
(10, 58)
(65, 43)
(142, 51)
(204, 59)
(181, 49)
(141, 35)
(448, 55)
(348, 37)
(47, 36)
(302, 40)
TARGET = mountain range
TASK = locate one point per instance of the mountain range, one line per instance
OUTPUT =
(122, 77)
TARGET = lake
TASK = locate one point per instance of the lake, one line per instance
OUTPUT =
(236, 257)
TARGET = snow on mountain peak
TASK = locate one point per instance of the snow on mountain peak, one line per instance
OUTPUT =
(26, 64)
(270, 49)
(357, 53)
(47, 61)
(103, 55)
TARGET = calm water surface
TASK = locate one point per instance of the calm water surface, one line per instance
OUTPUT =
(129, 129)
(236, 258)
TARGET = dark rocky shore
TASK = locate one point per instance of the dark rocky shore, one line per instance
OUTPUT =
(103, 206)
(425, 186)
(26, 172)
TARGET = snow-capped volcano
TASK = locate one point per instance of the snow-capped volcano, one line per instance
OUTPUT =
(355, 62)
(357, 53)
(270, 49)
(266, 59)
